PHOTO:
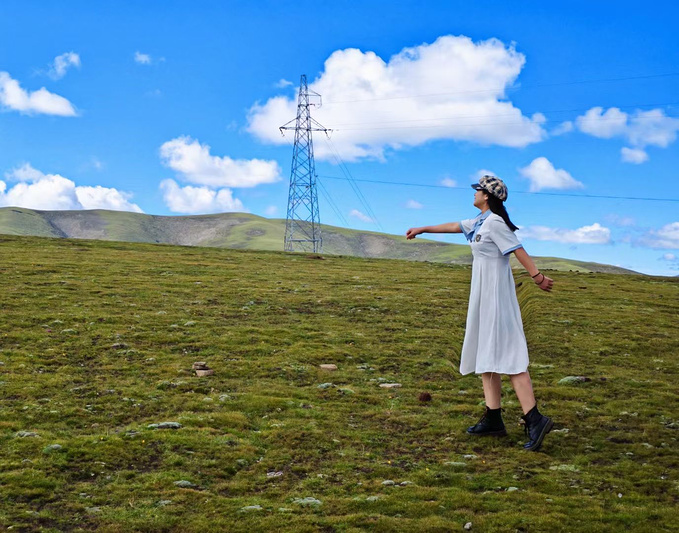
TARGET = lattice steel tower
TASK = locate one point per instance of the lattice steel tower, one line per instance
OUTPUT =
(303, 225)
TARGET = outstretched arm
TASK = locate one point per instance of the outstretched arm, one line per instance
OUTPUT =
(450, 227)
(539, 278)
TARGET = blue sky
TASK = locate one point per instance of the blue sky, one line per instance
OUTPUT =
(173, 108)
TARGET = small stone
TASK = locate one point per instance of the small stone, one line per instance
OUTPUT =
(93, 509)
(619, 495)
(469, 456)
(52, 448)
(183, 484)
(274, 474)
(468, 526)
(165, 425)
(405, 483)
(284, 510)
(345, 391)
(565, 467)
(512, 489)
(390, 385)
(562, 430)
(190, 323)
(324, 386)
(571, 380)
(119, 346)
(458, 464)
(388, 483)
(200, 365)
(24, 434)
(224, 397)
(372, 498)
(204, 373)
(249, 508)
(68, 331)
(329, 367)
(307, 502)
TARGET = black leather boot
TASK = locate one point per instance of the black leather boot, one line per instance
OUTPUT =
(491, 424)
(537, 426)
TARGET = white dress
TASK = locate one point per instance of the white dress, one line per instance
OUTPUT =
(494, 340)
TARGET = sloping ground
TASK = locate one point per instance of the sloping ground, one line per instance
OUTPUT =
(97, 341)
(242, 231)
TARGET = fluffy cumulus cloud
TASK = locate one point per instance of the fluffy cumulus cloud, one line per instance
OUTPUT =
(142, 59)
(194, 163)
(62, 63)
(666, 237)
(361, 216)
(639, 129)
(453, 88)
(15, 98)
(633, 155)
(413, 204)
(36, 190)
(594, 234)
(191, 200)
(543, 175)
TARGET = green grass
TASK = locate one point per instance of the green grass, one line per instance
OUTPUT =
(97, 340)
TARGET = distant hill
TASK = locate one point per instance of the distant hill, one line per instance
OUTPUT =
(244, 231)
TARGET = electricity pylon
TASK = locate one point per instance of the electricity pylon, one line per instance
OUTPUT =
(303, 225)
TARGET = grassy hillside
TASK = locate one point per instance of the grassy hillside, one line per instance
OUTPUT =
(243, 231)
(98, 339)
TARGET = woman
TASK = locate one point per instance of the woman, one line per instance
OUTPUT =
(494, 342)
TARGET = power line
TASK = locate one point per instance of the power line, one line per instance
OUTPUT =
(331, 202)
(404, 184)
(495, 91)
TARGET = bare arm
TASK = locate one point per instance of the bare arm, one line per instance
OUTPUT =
(449, 227)
(540, 279)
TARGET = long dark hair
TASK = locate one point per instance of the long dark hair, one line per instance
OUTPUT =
(497, 206)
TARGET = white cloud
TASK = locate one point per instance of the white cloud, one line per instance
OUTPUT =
(448, 182)
(194, 163)
(271, 210)
(357, 214)
(665, 237)
(451, 89)
(633, 155)
(62, 63)
(669, 257)
(283, 83)
(37, 190)
(482, 172)
(142, 59)
(639, 129)
(413, 204)
(564, 127)
(13, 97)
(543, 175)
(192, 200)
(594, 234)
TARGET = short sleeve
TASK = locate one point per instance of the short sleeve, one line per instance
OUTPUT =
(468, 227)
(503, 237)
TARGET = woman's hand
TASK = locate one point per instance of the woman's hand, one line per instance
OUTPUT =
(545, 283)
(413, 232)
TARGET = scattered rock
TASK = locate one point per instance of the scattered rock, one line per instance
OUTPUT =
(274, 474)
(190, 323)
(469, 456)
(163, 503)
(390, 385)
(119, 346)
(224, 397)
(24, 434)
(565, 467)
(200, 365)
(345, 391)
(424, 397)
(183, 484)
(388, 483)
(405, 483)
(324, 386)
(165, 425)
(284, 510)
(307, 502)
(512, 489)
(458, 464)
(52, 448)
(468, 526)
(249, 508)
(93, 509)
(571, 380)
(204, 373)
(68, 331)
(562, 430)
(330, 367)
(372, 498)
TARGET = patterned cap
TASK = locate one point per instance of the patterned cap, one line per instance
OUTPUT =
(492, 185)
